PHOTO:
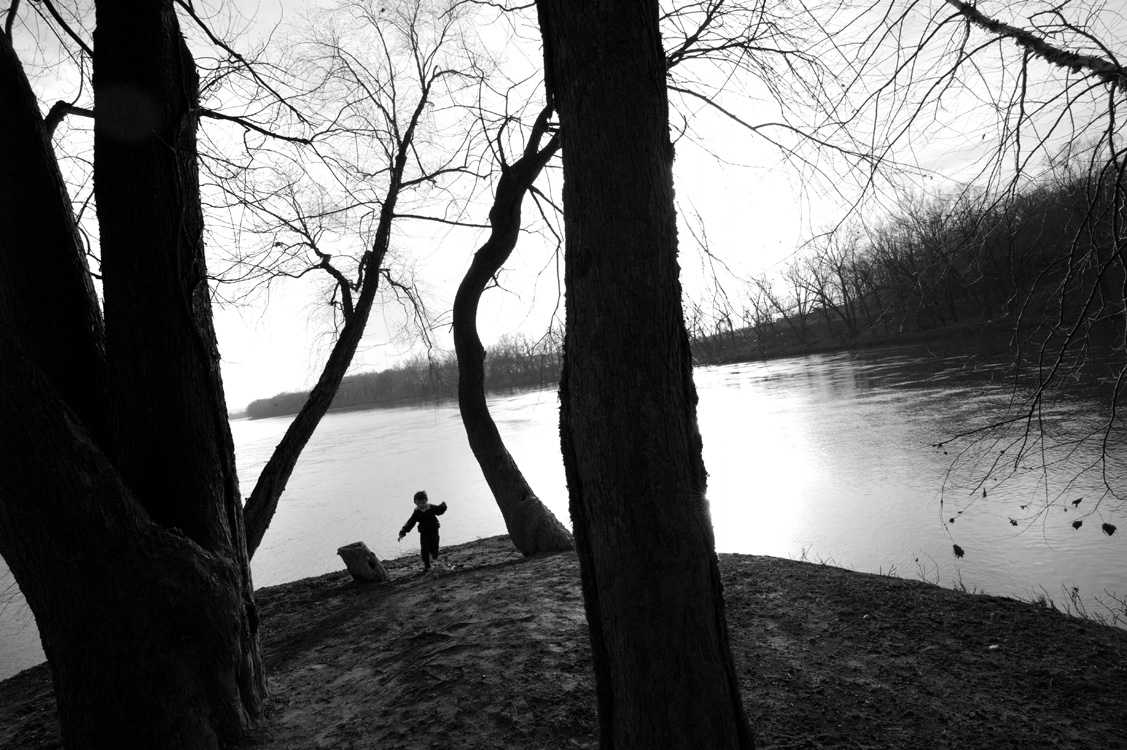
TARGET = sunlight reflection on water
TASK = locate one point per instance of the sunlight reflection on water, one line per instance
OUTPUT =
(835, 455)
(831, 456)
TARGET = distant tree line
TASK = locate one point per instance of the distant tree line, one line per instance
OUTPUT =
(515, 361)
(952, 263)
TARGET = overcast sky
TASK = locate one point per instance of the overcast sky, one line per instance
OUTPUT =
(755, 212)
(755, 208)
(754, 219)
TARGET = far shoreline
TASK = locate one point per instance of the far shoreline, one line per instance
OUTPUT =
(977, 332)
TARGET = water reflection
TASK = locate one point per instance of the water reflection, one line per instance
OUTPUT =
(831, 456)
(835, 455)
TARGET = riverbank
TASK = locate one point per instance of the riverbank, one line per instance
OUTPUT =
(439, 382)
(492, 652)
(747, 345)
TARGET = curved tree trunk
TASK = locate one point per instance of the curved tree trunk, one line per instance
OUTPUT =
(531, 526)
(632, 452)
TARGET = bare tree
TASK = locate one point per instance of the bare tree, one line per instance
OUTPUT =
(378, 70)
(1051, 87)
(831, 270)
(129, 469)
(531, 526)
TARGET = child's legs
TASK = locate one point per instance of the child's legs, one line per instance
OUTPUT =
(430, 546)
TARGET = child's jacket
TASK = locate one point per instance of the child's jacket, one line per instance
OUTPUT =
(427, 519)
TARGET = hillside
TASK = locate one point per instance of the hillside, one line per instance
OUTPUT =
(491, 652)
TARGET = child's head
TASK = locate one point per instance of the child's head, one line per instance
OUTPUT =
(421, 499)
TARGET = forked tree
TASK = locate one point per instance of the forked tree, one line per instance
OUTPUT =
(120, 514)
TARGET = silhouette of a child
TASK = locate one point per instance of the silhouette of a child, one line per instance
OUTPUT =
(426, 516)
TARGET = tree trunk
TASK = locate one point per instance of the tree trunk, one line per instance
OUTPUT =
(145, 633)
(126, 535)
(531, 526)
(172, 443)
(632, 451)
(263, 501)
(43, 259)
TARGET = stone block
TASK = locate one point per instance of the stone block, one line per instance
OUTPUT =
(362, 562)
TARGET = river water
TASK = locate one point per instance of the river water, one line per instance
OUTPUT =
(827, 457)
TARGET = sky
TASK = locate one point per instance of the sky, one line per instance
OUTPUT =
(754, 221)
(754, 214)
(755, 208)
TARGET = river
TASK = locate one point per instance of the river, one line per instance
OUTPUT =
(827, 457)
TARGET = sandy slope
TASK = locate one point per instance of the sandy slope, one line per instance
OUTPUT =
(491, 652)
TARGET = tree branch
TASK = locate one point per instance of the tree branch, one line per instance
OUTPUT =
(440, 220)
(11, 18)
(66, 27)
(58, 111)
(187, 6)
(251, 126)
(1105, 70)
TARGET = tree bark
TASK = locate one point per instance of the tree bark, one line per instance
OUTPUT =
(43, 259)
(144, 631)
(124, 534)
(531, 526)
(171, 439)
(632, 451)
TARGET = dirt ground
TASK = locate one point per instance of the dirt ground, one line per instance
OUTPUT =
(492, 652)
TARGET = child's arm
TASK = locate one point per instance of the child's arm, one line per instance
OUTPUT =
(440, 508)
(409, 525)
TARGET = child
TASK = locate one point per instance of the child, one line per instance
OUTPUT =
(426, 515)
